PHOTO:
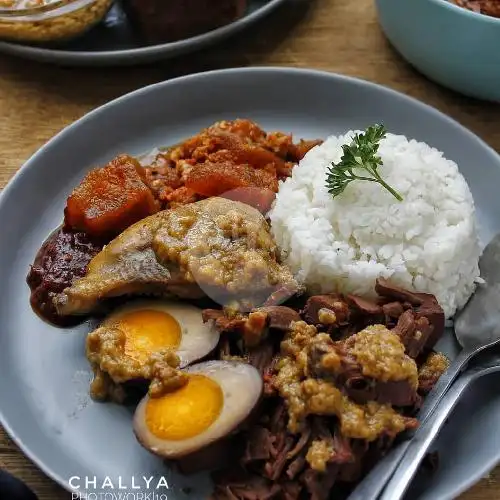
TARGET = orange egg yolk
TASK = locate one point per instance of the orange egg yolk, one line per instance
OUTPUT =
(186, 412)
(148, 331)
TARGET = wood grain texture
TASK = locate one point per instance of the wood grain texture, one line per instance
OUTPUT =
(37, 101)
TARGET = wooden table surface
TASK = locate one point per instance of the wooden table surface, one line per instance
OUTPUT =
(37, 101)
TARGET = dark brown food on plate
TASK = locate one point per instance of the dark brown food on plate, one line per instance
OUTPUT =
(342, 381)
(255, 326)
(113, 367)
(141, 347)
(160, 21)
(426, 316)
(308, 380)
(430, 371)
(217, 401)
(62, 258)
(215, 247)
(486, 7)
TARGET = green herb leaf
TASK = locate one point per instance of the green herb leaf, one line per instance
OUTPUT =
(359, 156)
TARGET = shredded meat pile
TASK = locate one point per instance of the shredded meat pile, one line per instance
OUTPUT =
(343, 378)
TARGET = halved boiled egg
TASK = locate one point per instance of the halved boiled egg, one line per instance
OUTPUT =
(150, 326)
(218, 397)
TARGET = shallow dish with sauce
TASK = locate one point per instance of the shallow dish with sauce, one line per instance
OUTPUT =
(455, 47)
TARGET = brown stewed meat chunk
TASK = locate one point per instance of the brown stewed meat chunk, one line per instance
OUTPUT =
(370, 366)
(486, 7)
(280, 317)
(424, 305)
(307, 394)
(387, 289)
(253, 326)
(326, 309)
(364, 306)
(215, 247)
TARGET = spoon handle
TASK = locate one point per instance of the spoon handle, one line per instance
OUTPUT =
(374, 483)
(425, 436)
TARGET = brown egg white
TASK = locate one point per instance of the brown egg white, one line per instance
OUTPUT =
(218, 398)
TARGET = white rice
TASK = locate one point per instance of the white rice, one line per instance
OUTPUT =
(428, 242)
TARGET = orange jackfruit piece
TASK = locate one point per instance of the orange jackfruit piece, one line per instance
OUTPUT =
(110, 199)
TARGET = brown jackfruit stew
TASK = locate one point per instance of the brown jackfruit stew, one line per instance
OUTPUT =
(158, 21)
(233, 159)
(343, 378)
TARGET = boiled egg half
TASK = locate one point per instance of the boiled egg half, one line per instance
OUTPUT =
(150, 326)
(218, 397)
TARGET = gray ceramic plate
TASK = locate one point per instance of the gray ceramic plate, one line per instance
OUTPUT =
(113, 43)
(43, 388)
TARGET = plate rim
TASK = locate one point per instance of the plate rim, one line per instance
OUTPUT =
(139, 54)
(32, 161)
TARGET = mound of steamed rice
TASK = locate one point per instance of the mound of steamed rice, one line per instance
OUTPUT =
(427, 242)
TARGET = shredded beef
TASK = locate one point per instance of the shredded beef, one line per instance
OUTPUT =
(334, 303)
(261, 357)
(348, 373)
(431, 310)
(222, 322)
(317, 461)
(274, 468)
(319, 484)
(301, 443)
(291, 490)
(214, 456)
(414, 332)
(252, 327)
(296, 466)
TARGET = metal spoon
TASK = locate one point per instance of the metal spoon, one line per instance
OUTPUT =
(477, 328)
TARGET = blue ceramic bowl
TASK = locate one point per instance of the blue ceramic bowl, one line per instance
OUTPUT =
(457, 48)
